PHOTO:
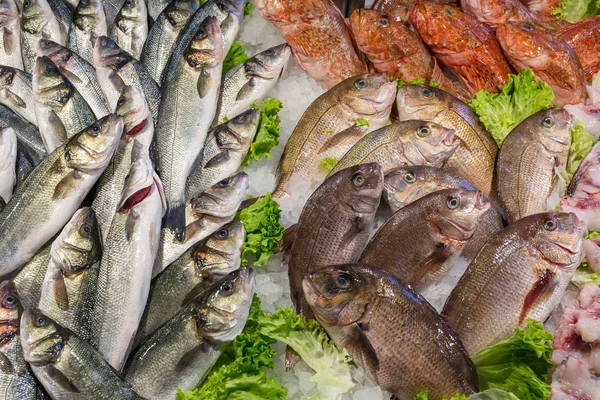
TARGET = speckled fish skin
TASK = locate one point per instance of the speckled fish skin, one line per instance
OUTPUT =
(497, 12)
(130, 28)
(548, 56)
(411, 142)
(319, 36)
(528, 160)
(224, 150)
(191, 274)
(163, 35)
(126, 270)
(60, 110)
(421, 242)
(584, 39)
(16, 92)
(399, 10)
(475, 160)
(69, 287)
(38, 22)
(181, 353)
(16, 378)
(53, 192)
(155, 8)
(10, 35)
(88, 24)
(390, 331)
(112, 8)
(204, 214)
(521, 273)
(465, 45)
(8, 161)
(250, 82)
(328, 127)
(66, 365)
(28, 281)
(28, 135)
(79, 72)
(138, 131)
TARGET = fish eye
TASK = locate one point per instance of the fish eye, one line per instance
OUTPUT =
(452, 202)
(223, 234)
(409, 177)
(223, 183)
(383, 21)
(550, 224)
(128, 3)
(226, 288)
(26, 4)
(358, 179)
(111, 44)
(427, 92)
(269, 52)
(95, 130)
(10, 301)
(548, 122)
(240, 119)
(423, 131)
(121, 101)
(201, 33)
(41, 321)
(360, 84)
(343, 281)
(527, 27)
(85, 231)
(51, 70)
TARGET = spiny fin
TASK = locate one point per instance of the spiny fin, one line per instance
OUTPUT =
(218, 160)
(348, 137)
(60, 379)
(204, 83)
(542, 287)
(10, 41)
(360, 348)
(291, 358)
(6, 366)
(130, 224)
(246, 90)
(285, 244)
(61, 296)
(188, 358)
(65, 187)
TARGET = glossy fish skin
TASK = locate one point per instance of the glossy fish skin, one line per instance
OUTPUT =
(204, 214)
(130, 28)
(163, 35)
(420, 243)
(54, 190)
(320, 39)
(191, 274)
(584, 39)
(60, 110)
(16, 92)
(390, 331)
(181, 353)
(249, 82)
(188, 108)
(528, 160)
(29, 140)
(475, 159)
(69, 288)
(521, 273)
(66, 365)
(126, 270)
(548, 56)
(28, 281)
(88, 24)
(79, 72)
(8, 160)
(38, 22)
(410, 142)
(224, 151)
(328, 126)
(468, 47)
(10, 35)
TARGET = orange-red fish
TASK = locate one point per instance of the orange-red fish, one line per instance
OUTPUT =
(542, 7)
(584, 38)
(400, 9)
(497, 12)
(319, 37)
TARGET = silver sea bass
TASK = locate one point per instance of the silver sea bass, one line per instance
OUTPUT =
(16, 92)
(130, 28)
(88, 24)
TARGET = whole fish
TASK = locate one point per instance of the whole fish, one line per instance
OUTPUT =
(420, 242)
(16, 92)
(10, 35)
(130, 28)
(117, 69)
(126, 270)
(8, 161)
(88, 24)
(69, 286)
(28, 281)
(79, 72)
(328, 127)
(224, 151)
(465, 45)
(319, 36)
(28, 135)
(181, 353)
(410, 142)
(584, 39)
(204, 214)
(163, 35)
(390, 331)
(186, 112)
(522, 272)
(38, 22)
(475, 159)
(529, 159)
(16, 379)
(548, 56)
(155, 8)
(60, 110)
(54, 190)
(191, 274)
(66, 365)
(249, 82)
(138, 131)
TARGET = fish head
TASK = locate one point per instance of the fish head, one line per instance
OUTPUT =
(492, 12)
(270, 63)
(367, 94)
(359, 187)
(237, 133)
(9, 13)
(89, 15)
(7, 77)
(34, 15)
(554, 127)
(439, 24)
(92, 148)
(78, 246)
(429, 143)
(407, 184)
(206, 48)
(108, 54)
(228, 239)
(422, 102)
(223, 198)
(223, 309)
(372, 30)
(60, 55)
(178, 13)
(291, 11)
(134, 110)
(219, 255)
(524, 42)
(50, 87)
(42, 338)
(131, 15)
(10, 309)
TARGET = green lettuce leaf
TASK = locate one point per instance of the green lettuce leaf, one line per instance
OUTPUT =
(493, 394)
(581, 144)
(518, 365)
(362, 122)
(234, 57)
(424, 395)
(591, 235)
(585, 275)
(248, 8)
(521, 97)
(267, 133)
(418, 81)
(327, 164)
(576, 10)
(263, 230)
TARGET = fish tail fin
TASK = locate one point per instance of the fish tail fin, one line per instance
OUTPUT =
(175, 220)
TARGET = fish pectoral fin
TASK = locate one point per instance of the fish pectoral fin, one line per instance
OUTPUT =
(61, 296)
(16, 100)
(541, 289)
(246, 90)
(60, 379)
(218, 160)
(65, 187)
(347, 136)
(70, 76)
(204, 83)
(191, 356)
(361, 349)
(9, 41)
(287, 240)
(6, 366)
(358, 225)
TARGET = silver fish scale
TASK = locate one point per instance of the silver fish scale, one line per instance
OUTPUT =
(27, 134)
(20, 384)
(18, 95)
(28, 281)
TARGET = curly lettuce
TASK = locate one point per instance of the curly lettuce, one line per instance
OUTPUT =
(424, 395)
(581, 144)
(327, 164)
(585, 275)
(576, 10)
(234, 57)
(267, 133)
(418, 81)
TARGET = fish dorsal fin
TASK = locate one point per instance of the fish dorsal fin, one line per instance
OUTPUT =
(6, 366)
(348, 137)
(60, 379)
(361, 349)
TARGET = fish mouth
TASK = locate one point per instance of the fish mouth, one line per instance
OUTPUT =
(451, 140)
(311, 293)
